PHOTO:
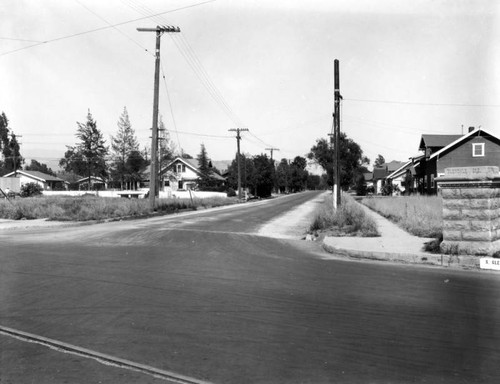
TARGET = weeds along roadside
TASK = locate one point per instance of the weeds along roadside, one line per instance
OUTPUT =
(348, 220)
(419, 215)
(87, 208)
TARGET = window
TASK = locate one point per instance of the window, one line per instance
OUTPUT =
(478, 150)
(181, 168)
(432, 180)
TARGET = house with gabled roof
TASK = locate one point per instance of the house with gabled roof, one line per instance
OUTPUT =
(380, 174)
(46, 182)
(476, 148)
(184, 174)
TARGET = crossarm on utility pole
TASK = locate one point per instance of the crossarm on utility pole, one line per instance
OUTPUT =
(153, 177)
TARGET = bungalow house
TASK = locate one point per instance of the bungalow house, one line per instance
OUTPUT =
(380, 174)
(184, 174)
(96, 183)
(476, 148)
(403, 177)
(46, 182)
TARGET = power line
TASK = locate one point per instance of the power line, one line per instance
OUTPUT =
(115, 28)
(103, 28)
(170, 105)
(192, 60)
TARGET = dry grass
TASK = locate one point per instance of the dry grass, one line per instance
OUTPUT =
(86, 208)
(418, 215)
(348, 220)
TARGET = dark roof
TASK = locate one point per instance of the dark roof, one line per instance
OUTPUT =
(368, 176)
(436, 141)
(393, 165)
(44, 176)
(379, 173)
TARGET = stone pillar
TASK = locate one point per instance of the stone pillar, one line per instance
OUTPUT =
(471, 210)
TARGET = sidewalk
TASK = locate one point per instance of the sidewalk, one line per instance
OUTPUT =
(395, 245)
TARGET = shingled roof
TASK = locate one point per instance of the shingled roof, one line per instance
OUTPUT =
(436, 141)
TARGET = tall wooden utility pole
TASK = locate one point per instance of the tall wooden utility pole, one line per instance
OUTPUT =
(336, 127)
(272, 149)
(238, 138)
(153, 177)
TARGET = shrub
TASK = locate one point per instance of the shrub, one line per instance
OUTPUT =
(31, 189)
(231, 192)
(348, 219)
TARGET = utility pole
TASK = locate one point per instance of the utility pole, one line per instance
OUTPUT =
(272, 149)
(238, 138)
(336, 125)
(153, 177)
(334, 162)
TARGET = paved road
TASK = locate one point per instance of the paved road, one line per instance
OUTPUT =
(205, 297)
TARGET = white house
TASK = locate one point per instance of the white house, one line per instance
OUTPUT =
(46, 182)
(183, 174)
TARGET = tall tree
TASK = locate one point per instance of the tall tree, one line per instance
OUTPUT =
(298, 174)
(204, 168)
(10, 149)
(283, 176)
(351, 159)
(263, 178)
(88, 157)
(122, 145)
(379, 161)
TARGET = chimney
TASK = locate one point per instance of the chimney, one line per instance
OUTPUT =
(471, 129)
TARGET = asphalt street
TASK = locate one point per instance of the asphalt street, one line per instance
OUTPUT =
(207, 297)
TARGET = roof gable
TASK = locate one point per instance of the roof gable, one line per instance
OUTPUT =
(35, 175)
(462, 139)
(436, 141)
(193, 165)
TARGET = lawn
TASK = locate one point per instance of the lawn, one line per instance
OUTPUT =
(86, 208)
(418, 215)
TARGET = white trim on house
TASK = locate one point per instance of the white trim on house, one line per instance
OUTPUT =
(464, 137)
(477, 149)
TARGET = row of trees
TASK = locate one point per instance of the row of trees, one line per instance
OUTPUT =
(261, 175)
(122, 163)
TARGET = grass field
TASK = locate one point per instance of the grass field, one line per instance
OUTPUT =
(418, 215)
(96, 208)
(348, 220)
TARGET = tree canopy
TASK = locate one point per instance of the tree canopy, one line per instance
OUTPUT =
(352, 160)
(39, 167)
(204, 162)
(88, 157)
(9, 146)
(123, 145)
(379, 161)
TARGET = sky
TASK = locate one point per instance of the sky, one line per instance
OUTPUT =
(407, 68)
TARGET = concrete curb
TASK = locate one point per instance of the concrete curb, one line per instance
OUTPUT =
(421, 258)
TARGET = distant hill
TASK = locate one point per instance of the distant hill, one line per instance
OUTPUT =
(221, 165)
